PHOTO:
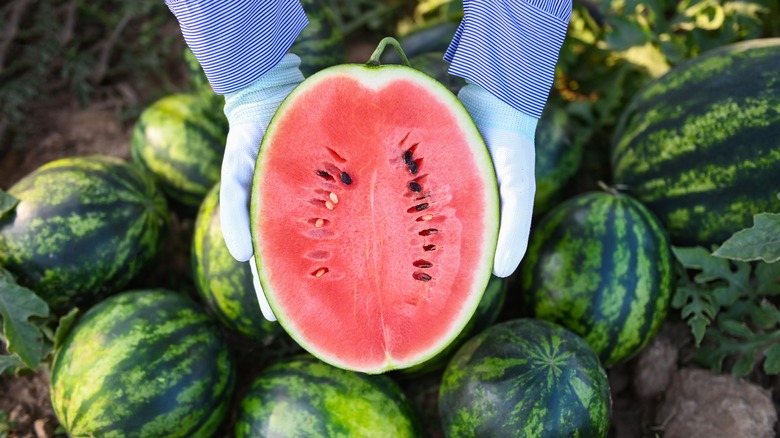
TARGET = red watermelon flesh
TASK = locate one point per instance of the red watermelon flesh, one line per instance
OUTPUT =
(375, 216)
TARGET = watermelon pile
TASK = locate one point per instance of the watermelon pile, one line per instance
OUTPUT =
(374, 248)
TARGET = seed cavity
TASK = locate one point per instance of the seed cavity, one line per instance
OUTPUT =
(325, 175)
(336, 155)
(421, 276)
(413, 186)
(422, 264)
(333, 198)
(320, 272)
(429, 247)
(318, 254)
(329, 205)
(425, 218)
(428, 232)
(345, 178)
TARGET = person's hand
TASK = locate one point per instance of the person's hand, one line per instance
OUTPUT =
(509, 135)
(249, 111)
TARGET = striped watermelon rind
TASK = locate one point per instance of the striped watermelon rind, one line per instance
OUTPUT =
(180, 139)
(525, 377)
(84, 226)
(600, 264)
(303, 397)
(699, 145)
(224, 283)
(145, 363)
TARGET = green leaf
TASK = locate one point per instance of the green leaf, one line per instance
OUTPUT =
(7, 203)
(760, 242)
(17, 305)
(735, 328)
(624, 33)
(64, 327)
(744, 366)
(698, 326)
(765, 315)
(9, 362)
(767, 279)
(714, 268)
(772, 359)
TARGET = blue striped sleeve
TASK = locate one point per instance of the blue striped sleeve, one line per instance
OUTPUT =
(237, 41)
(510, 48)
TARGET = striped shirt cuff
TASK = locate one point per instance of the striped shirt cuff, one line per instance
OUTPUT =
(510, 48)
(237, 41)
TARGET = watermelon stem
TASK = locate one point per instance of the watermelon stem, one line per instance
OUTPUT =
(374, 59)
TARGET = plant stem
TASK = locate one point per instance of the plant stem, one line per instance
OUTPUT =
(374, 59)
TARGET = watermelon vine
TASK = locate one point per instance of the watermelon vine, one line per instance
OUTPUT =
(728, 298)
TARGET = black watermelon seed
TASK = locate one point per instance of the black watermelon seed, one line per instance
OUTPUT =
(413, 168)
(429, 247)
(421, 207)
(414, 187)
(407, 157)
(345, 178)
(323, 174)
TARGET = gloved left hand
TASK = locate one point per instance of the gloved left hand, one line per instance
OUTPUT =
(509, 135)
(249, 111)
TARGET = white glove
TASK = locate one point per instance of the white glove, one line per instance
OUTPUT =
(509, 135)
(249, 111)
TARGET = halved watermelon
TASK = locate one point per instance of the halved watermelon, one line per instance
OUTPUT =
(374, 216)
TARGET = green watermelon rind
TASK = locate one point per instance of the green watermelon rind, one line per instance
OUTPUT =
(381, 74)
(143, 363)
(84, 227)
(698, 146)
(600, 264)
(180, 139)
(525, 377)
(224, 283)
(303, 397)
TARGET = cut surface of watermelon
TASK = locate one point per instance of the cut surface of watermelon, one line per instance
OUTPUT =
(374, 216)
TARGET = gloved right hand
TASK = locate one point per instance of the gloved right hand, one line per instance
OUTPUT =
(249, 111)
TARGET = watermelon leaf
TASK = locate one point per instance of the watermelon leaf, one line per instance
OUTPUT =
(7, 203)
(768, 279)
(760, 242)
(17, 305)
(9, 362)
(64, 327)
(772, 359)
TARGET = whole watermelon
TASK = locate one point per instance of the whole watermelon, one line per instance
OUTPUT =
(180, 139)
(304, 397)
(83, 227)
(224, 283)
(700, 146)
(320, 44)
(525, 378)
(146, 363)
(600, 265)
